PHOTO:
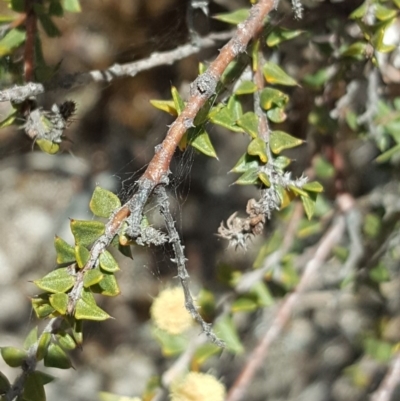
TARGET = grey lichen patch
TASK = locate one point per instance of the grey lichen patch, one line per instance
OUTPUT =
(238, 47)
(204, 85)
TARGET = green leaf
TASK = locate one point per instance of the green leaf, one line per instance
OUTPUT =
(309, 205)
(234, 17)
(42, 307)
(56, 9)
(77, 332)
(103, 202)
(33, 388)
(82, 256)
(234, 107)
(165, 105)
(48, 25)
(379, 274)
(308, 228)
(86, 308)
(356, 50)
(65, 252)
(59, 280)
(47, 146)
(107, 262)
(250, 177)
(271, 97)
(275, 75)
(258, 147)
(92, 277)
(276, 115)
(59, 302)
(72, 6)
(323, 168)
(359, 12)
(245, 163)
(4, 384)
(86, 232)
(285, 195)
(383, 13)
(224, 117)
(281, 162)
(246, 88)
(378, 349)
(386, 156)
(56, 358)
(31, 338)
(205, 352)
(318, 79)
(279, 35)
(9, 119)
(178, 102)
(18, 5)
(264, 179)
(108, 286)
(244, 303)
(66, 341)
(201, 141)
(313, 186)
(13, 357)
(43, 345)
(280, 140)
(372, 225)
(170, 344)
(264, 296)
(11, 40)
(44, 377)
(249, 123)
(226, 331)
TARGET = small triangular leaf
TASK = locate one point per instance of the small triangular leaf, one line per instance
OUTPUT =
(59, 280)
(43, 345)
(86, 232)
(13, 356)
(249, 123)
(31, 338)
(86, 308)
(108, 286)
(92, 277)
(82, 255)
(280, 140)
(275, 75)
(33, 388)
(65, 252)
(234, 17)
(103, 202)
(246, 88)
(258, 147)
(165, 105)
(203, 144)
(107, 262)
(59, 302)
(279, 35)
(56, 358)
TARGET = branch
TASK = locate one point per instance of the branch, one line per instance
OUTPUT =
(29, 51)
(19, 93)
(257, 357)
(180, 262)
(390, 382)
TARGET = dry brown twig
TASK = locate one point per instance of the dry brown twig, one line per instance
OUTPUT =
(257, 357)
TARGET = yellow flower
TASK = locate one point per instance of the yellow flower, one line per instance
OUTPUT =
(197, 387)
(168, 311)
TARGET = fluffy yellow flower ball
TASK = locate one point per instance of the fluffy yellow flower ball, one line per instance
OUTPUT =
(169, 313)
(197, 387)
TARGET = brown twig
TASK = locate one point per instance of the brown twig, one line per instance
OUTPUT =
(390, 382)
(257, 357)
(29, 51)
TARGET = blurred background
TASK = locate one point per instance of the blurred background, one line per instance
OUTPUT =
(111, 139)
